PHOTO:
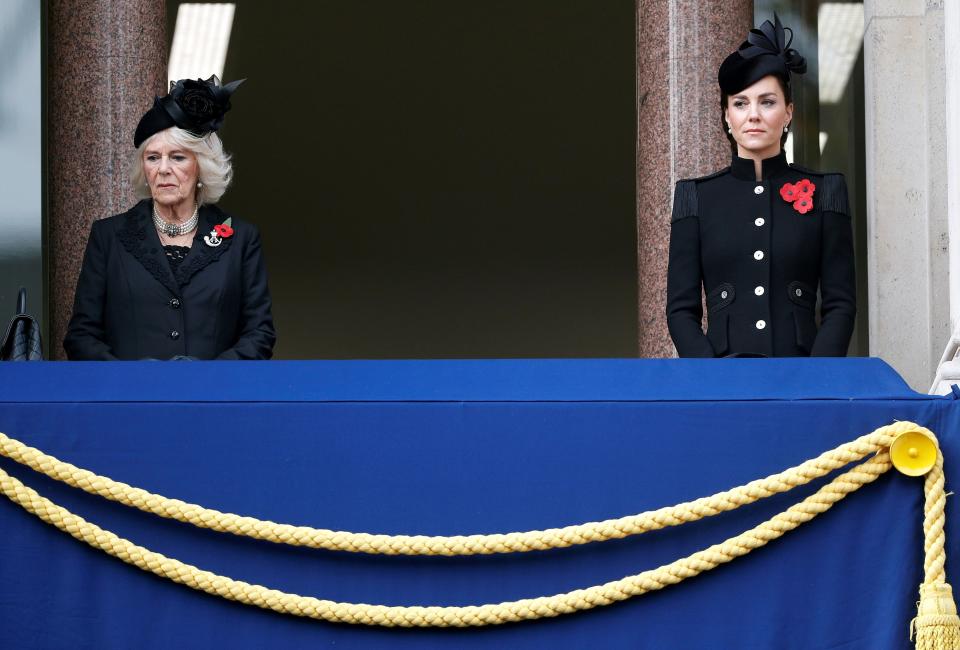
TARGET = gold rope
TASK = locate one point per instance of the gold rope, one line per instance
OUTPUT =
(937, 626)
(459, 544)
(493, 614)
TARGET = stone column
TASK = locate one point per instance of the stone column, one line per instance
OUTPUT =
(107, 60)
(951, 18)
(907, 229)
(680, 45)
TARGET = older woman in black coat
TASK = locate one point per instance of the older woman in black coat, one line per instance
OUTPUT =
(761, 237)
(175, 277)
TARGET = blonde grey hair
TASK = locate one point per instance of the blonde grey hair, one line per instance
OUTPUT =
(214, 168)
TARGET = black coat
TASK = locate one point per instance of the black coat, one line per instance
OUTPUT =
(129, 305)
(760, 262)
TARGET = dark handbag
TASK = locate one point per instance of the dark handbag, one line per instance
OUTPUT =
(21, 341)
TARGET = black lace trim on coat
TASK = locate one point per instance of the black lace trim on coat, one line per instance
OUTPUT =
(133, 236)
(175, 256)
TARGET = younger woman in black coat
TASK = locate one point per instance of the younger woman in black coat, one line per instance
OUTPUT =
(175, 277)
(760, 237)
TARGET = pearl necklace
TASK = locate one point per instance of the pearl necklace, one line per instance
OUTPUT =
(175, 230)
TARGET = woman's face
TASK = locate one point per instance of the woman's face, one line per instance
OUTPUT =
(757, 116)
(171, 172)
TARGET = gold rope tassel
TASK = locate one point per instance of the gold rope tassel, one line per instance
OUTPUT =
(937, 626)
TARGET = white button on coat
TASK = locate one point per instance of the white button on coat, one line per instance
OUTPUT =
(758, 255)
(758, 291)
(758, 189)
(799, 293)
(758, 222)
(723, 295)
(761, 324)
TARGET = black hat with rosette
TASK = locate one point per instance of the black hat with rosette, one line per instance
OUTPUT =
(766, 51)
(197, 106)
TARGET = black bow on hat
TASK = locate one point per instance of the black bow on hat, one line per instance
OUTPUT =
(766, 51)
(197, 106)
(770, 39)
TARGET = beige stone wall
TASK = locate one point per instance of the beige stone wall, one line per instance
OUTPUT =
(907, 227)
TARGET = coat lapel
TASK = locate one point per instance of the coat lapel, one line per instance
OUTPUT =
(139, 236)
(202, 254)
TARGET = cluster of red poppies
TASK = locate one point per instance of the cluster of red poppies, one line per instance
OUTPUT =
(800, 194)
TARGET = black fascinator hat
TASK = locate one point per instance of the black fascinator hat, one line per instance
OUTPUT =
(195, 106)
(766, 51)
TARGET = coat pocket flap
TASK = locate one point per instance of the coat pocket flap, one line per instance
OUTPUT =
(721, 296)
(802, 294)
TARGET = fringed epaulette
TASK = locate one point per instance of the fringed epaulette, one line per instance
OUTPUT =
(833, 194)
(831, 189)
(685, 201)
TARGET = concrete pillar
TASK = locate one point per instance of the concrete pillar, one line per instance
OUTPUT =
(680, 45)
(107, 60)
(907, 229)
(951, 28)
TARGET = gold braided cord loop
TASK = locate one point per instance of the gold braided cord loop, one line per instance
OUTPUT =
(934, 517)
(493, 614)
(937, 626)
(459, 544)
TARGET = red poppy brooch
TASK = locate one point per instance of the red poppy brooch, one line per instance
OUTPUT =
(800, 194)
(220, 232)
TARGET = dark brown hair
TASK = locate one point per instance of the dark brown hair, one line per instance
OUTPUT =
(725, 98)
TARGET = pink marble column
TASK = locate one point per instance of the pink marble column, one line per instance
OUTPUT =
(680, 45)
(107, 60)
